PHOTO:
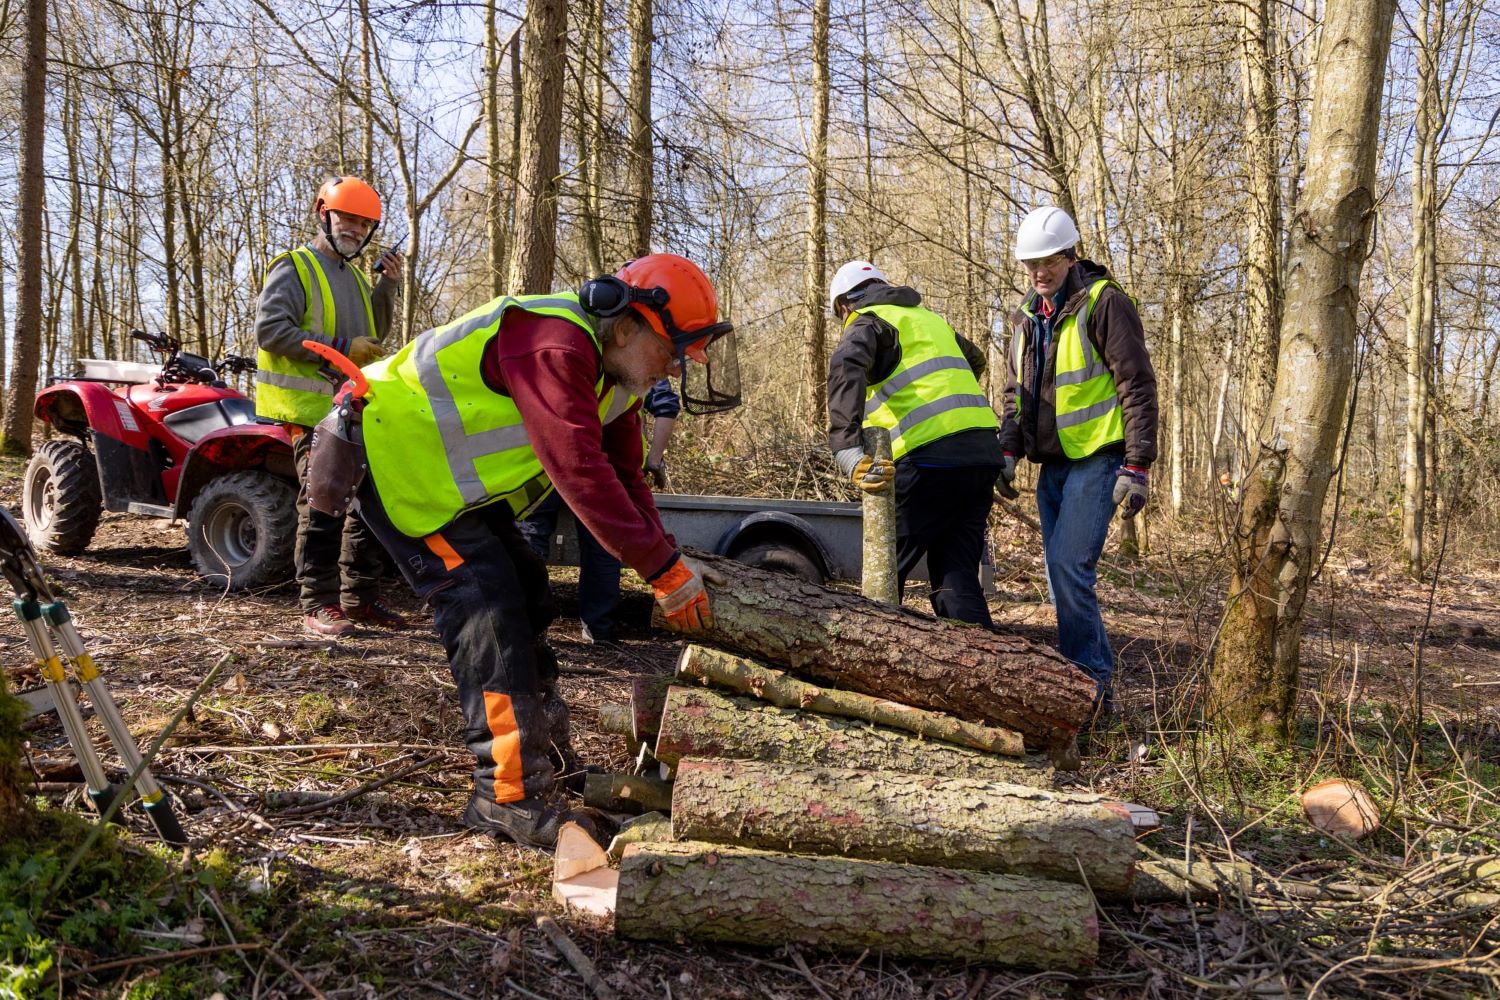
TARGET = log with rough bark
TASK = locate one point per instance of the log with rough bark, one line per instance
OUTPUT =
(703, 723)
(739, 673)
(648, 695)
(911, 818)
(1174, 881)
(896, 653)
(743, 896)
(629, 793)
(615, 718)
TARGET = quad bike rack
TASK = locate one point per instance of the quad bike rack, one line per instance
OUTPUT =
(44, 617)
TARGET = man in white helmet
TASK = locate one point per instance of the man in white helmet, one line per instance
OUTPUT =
(1080, 402)
(902, 367)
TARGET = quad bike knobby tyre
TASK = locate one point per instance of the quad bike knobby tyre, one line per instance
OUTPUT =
(243, 529)
(60, 498)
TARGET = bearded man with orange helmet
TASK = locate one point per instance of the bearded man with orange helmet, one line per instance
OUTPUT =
(468, 428)
(312, 293)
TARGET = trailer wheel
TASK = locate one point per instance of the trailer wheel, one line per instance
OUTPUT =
(781, 557)
(60, 499)
(243, 528)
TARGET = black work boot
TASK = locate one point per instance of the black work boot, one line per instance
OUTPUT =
(529, 822)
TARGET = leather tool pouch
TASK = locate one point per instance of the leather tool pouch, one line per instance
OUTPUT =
(336, 463)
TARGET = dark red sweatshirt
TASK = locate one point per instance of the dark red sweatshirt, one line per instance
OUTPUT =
(549, 367)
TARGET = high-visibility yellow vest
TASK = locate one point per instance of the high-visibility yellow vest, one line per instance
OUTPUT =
(288, 388)
(1087, 405)
(440, 441)
(932, 392)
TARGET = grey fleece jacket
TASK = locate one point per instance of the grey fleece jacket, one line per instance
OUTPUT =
(278, 313)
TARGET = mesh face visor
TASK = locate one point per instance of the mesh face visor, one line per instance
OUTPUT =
(710, 366)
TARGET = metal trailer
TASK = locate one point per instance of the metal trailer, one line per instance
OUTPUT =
(819, 541)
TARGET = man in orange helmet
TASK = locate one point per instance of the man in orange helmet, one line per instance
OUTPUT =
(468, 428)
(311, 293)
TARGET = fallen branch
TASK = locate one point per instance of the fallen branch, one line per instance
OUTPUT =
(576, 958)
(369, 786)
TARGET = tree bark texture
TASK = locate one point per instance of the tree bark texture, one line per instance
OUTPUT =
(1180, 881)
(892, 652)
(642, 146)
(16, 439)
(1263, 217)
(1276, 544)
(627, 793)
(544, 55)
(648, 698)
(815, 250)
(701, 723)
(740, 896)
(745, 676)
(879, 579)
(911, 818)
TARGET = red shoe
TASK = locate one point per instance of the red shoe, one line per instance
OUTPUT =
(328, 620)
(375, 613)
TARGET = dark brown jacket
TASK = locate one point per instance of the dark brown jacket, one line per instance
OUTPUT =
(1114, 326)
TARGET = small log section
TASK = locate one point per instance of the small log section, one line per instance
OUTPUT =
(743, 896)
(627, 793)
(648, 696)
(713, 666)
(878, 578)
(892, 652)
(914, 819)
(1175, 881)
(703, 723)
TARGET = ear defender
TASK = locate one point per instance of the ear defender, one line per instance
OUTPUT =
(607, 296)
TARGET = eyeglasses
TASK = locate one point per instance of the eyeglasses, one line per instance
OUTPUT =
(1044, 263)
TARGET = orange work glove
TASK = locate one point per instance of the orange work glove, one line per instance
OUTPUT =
(682, 597)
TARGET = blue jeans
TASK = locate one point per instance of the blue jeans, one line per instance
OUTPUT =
(1075, 501)
(598, 571)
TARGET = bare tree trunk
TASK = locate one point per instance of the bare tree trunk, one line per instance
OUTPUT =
(1263, 295)
(494, 212)
(16, 439)
(545, 53)
(1254, 681)
(815, 267)
(642, 146)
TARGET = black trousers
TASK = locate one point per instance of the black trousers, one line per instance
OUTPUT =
(491, 604)
(338, 560)
(941, 512)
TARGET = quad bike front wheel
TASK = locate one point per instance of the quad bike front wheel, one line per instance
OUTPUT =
(60, 498)
(243, 529)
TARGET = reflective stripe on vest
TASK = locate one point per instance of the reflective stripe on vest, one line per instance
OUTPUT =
(1087, 405)
(440, 441)
(290, 389)
(932, 392)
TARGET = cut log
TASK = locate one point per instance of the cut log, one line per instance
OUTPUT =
(615, 718)
(648, 696)
(1176, 881)
(758, 680)
(627, 793)
(896, 653)
(743, 896)
(640, 829)
(911, 818)
(703, 723)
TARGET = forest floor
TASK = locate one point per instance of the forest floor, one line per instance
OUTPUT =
(386, 895)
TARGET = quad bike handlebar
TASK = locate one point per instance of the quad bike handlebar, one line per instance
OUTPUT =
(182, 366)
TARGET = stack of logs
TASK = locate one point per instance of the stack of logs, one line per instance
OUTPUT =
(885, 799)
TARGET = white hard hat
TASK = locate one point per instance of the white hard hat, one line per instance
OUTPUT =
(1044, 232)
(851, 276)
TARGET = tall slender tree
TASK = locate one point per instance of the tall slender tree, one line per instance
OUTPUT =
(544, 55)
(815, 250)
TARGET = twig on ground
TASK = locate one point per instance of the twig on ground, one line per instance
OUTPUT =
(162, 956)
(368, 786)
(576, 958)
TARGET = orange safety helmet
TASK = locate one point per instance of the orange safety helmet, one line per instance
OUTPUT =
(350, 195)
(679, 301)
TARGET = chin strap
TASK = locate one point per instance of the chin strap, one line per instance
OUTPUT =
(334, 245)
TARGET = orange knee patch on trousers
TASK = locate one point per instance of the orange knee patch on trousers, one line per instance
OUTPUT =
(505, 747)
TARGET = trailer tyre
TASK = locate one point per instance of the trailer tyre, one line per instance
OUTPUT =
(781, 557)
(60, 498)
(243, 529)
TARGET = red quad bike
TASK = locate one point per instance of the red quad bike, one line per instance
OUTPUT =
(172, 441)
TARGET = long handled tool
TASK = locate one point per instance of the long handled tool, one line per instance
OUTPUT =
(42, 616)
